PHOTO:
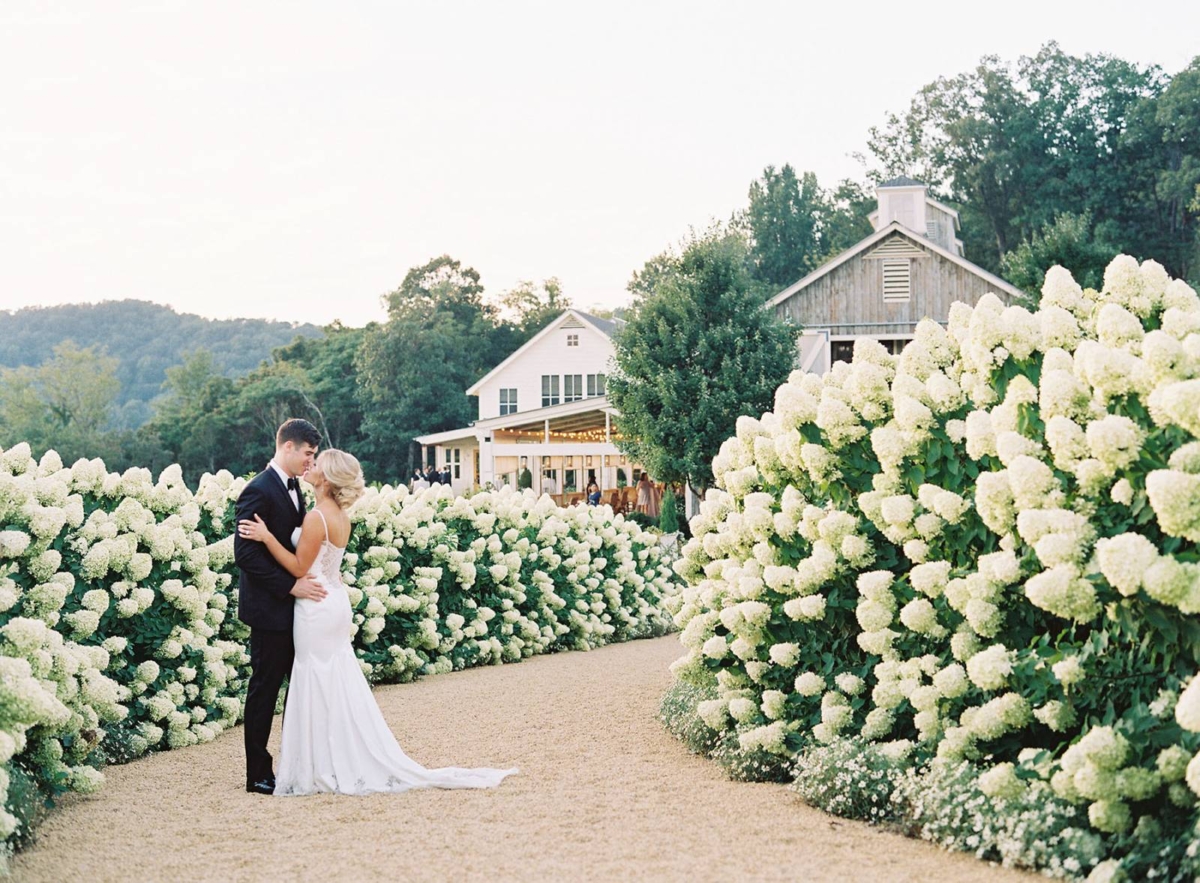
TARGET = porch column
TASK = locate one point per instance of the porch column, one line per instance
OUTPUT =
(546, 437)
(607, 428)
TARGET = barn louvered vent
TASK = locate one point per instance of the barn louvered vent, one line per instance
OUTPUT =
(897, 280)
(571, 322)
(896, 247)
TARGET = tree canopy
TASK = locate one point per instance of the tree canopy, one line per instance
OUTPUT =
(793, 225)
(697, 351)
(66, 402)
(1071, 242)
(1013, 147)
(163, 339)
(441, 336)
(368, 390)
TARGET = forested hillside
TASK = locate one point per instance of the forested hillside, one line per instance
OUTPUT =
(78, 379)
(146, 339)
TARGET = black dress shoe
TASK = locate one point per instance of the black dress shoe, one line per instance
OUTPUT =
(263, 786)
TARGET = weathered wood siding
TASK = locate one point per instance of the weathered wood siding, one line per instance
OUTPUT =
(849, 299)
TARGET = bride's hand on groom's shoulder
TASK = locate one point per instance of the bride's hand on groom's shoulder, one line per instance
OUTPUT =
(253, 530)
(309, 589)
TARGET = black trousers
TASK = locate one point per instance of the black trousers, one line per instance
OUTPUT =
(271, 655)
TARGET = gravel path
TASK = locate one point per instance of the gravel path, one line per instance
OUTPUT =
(604, 793)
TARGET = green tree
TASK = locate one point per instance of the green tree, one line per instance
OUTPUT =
(697, 352)
(163, 338)
(1177, 116)
(141, 447)
(1069, 242)
(847, 218)
(973, 137)
(272, 394)
(440, 337)
(23, 411)
(784, 223)
(668, 519)
(332, 380)
(193, 419)
(185, 386)
(1012, 147)
(209, 422)
(654, 274)
(530, 307)
(65, 403)
(793, 226)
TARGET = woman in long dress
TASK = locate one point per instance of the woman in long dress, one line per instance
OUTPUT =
(654, 505)
(335, 738)
(645, 494)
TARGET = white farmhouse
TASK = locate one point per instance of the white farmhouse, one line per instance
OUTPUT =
(543, 408)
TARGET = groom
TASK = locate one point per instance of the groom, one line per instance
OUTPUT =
(267, 591)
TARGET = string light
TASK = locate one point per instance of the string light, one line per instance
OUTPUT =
(590, 435)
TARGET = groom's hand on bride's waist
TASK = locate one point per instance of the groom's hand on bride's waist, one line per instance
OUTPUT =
(308, 588)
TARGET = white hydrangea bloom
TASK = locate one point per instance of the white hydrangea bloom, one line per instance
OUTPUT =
(809, 684)
(1187, 709)
(1175, 498)
(989, 669)
(1125, 559)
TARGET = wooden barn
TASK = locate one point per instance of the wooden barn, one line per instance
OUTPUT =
(910, 268)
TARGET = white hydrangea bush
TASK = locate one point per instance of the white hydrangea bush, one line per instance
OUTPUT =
(984, 545)
(442, 582)
(118, 595)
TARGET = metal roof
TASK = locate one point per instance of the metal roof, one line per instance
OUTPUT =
(608, 326)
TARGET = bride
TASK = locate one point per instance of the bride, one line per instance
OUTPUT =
(335, 739)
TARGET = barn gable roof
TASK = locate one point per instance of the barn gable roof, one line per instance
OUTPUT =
(895, 227)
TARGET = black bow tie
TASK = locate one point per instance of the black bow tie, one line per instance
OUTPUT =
(293, 484)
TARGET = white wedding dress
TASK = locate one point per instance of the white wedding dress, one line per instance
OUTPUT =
(335, 739)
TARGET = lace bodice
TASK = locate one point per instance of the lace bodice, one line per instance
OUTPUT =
(328, 565)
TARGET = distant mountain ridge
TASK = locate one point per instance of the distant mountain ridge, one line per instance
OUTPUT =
(146, 338)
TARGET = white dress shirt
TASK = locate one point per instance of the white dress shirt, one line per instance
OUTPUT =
(295, 495)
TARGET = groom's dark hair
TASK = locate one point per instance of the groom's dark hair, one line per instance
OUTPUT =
(298, 432)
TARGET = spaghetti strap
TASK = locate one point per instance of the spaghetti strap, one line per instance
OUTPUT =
(324, 522)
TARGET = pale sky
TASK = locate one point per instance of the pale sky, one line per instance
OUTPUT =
(293, 160)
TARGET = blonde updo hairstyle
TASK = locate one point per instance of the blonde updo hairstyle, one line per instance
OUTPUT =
(343, 474)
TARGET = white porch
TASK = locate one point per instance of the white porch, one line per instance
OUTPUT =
(564, 447)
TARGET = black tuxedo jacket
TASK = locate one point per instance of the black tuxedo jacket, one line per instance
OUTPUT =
(264, 590)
